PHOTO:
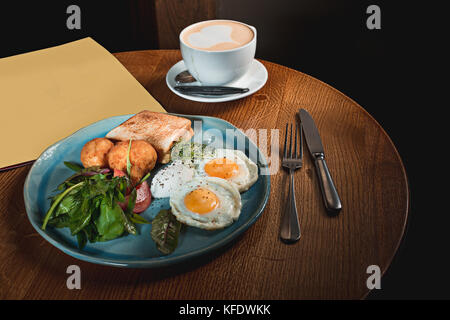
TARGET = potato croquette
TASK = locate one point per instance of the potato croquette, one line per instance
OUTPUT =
(142, 158)
(94, 153)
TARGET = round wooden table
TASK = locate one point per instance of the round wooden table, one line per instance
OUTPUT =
(331, 259)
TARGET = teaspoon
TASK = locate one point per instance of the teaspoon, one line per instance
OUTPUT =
(184, 77)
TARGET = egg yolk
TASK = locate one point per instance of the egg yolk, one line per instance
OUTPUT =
(221, 168)
(201, 201)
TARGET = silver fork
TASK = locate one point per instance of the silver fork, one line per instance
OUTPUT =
(290, 228)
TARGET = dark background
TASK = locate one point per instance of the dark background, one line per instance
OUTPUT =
(379, 69)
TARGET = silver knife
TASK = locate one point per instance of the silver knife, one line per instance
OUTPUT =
(329, 193)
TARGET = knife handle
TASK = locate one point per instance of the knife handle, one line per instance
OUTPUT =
(329, 193)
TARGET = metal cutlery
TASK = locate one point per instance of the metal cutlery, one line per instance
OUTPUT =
(209, 90)
(329, 193)
(184, 77)
(290, 228)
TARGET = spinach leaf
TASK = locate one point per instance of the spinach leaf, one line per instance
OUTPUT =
(61, 221)
(73, 166)
(165, 231)
(82, 239)
(128, 224)
(91, 232)
(88, 205)
(79, 220)
(110, 221)
(68, 204)
(57, 200)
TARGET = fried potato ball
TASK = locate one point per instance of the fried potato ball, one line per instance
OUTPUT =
(94, 152)
(142, 158)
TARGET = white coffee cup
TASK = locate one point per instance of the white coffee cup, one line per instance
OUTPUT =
(218, 67)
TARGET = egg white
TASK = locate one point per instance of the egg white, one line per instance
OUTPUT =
(169, 178)
(225, 214)
(248, 170)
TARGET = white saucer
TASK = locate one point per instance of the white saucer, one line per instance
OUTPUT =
(254, 79)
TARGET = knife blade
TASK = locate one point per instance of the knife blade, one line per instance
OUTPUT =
(314, 142)
(210, 90)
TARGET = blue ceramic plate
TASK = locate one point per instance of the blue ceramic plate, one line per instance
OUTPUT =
(137, 251)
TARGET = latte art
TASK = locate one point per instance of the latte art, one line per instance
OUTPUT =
(217, 35)
(211, 36)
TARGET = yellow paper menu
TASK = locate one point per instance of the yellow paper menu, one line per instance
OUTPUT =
(48, 94)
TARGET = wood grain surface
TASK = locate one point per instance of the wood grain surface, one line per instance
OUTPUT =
(330, 260)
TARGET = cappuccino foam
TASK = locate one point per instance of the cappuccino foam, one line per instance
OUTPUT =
(217, 35)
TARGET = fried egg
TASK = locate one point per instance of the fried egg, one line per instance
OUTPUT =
(206, 202)
(231, 165)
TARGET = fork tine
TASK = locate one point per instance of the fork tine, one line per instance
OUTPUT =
(301, 141)
(290, 143)
(295, 141)
(285, 142)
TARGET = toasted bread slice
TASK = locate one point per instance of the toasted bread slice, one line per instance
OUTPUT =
(159, 129)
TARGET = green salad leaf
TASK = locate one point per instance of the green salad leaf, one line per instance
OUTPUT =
(110, 224)
(56, 202)
(91, 203)
(88, 205)
(73, 166)
(165, 231)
